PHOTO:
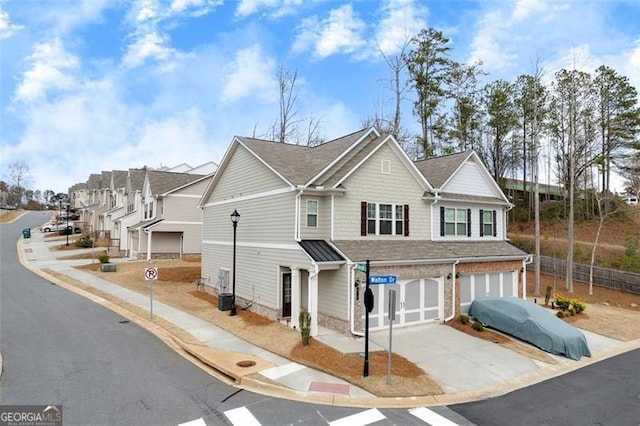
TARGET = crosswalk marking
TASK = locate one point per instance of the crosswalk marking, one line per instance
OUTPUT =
(431, 417)
(360, 419)
(241, 416)
(196, 422)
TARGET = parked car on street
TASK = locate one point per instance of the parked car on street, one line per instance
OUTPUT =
(55, 227)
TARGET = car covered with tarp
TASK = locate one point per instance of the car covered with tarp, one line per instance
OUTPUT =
(532, 323)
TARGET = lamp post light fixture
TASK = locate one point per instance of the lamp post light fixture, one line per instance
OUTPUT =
(235, 218)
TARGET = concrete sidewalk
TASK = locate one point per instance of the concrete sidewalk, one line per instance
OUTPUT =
(466, 368)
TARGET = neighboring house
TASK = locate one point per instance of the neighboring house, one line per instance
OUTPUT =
(115, 206)
(169, 220)
(309, 215)
(132, 207)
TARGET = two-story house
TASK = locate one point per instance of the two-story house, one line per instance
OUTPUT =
(310, 215)
(169, 220)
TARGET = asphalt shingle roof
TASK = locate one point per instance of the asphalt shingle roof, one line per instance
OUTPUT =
(438, 169)
(162, 182)
(360, 250)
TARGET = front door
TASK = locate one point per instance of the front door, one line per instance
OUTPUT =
(286, 294)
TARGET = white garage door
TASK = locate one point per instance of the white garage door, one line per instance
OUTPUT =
(417, 301)
(482, 286)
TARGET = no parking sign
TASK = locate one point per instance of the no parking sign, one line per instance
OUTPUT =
(151, 273)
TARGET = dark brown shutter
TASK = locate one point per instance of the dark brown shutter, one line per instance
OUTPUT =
(363, 218)
(406, 220)
(442, 221)
(495, 222)
(468, 222)
(481, 223)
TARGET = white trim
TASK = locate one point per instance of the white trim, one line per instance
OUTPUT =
(240, 142)
(250, 197)
(181, 196)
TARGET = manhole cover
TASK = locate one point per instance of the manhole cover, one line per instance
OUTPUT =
(245, 363)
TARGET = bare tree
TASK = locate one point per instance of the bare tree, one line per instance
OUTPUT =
(602, 217)
(19, 179)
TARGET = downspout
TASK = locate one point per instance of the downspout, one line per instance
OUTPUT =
(352, 311)
(453, 298)
(146, 231)
(296, 221)
(526, 261)
(313, 307)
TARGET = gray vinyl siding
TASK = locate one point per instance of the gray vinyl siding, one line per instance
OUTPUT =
(323, 230)
(368, 183)
(244, 175)
(471, 179)
(262, 220)
(333, 293)
(258, 272)
(181, 208)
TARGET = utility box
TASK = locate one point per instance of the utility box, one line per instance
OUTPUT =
(108, 267)
(225, 300)
(26, 233)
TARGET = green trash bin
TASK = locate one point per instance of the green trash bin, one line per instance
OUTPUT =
(26, 233)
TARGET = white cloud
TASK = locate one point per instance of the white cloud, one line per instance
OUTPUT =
(193, 7)
(250, 74)
(147, 46)
(402, 19)
(278, 7)
(489, 44)
(525, 8)
(51, 67)
(340, 32)
(7, 29)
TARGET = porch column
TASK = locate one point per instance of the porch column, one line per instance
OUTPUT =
(295, 297)
(149, 245)
(313, 300)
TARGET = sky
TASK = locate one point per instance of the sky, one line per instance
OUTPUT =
(93, 85)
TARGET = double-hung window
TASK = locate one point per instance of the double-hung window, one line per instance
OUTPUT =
(384, 219)
(455, 222)
(488, 223)
(312, 213)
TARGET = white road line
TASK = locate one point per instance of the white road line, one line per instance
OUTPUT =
(431, 417)
(360, 419)
(241, 416)
(276, 372)
(196, 422)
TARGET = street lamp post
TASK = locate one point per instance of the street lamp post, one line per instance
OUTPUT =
(235, 218)
(67, 230)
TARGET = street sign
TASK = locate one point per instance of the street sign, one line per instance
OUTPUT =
(151, 274)
(361, 266)
(383, 279)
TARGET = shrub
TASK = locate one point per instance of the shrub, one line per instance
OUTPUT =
(561, 302)
(65, 231)
(477, 326)
(547, 295)
(84, 241)
(464, 319)
(560, 314)
(103, 258)
(304, 320)
(578, 306)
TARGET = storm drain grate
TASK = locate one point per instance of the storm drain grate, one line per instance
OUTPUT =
(124, 322)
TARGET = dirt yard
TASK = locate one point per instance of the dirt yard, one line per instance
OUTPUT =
(608, 312)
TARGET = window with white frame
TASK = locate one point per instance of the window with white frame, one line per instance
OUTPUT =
(488, 223)
(384, 219)
(454, 222)
(312, 213)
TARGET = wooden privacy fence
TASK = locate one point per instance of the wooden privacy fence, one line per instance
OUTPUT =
(602, 277)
